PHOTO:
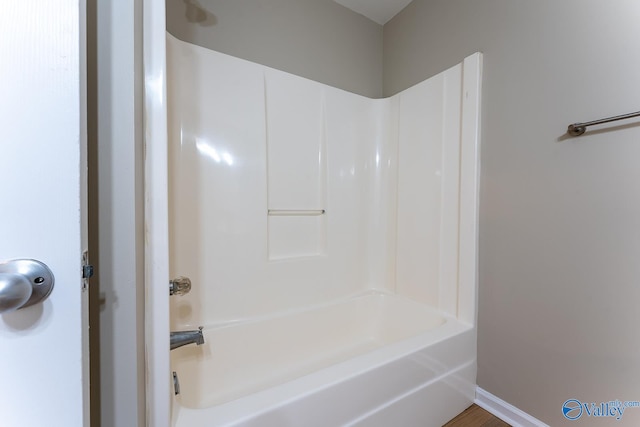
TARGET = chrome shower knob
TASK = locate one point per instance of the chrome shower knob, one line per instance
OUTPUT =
(179, 286)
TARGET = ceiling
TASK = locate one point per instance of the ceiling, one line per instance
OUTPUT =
(379, 11)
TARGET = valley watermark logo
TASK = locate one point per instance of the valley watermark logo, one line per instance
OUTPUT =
(574, 409)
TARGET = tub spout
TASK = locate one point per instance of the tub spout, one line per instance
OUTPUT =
(178, 339)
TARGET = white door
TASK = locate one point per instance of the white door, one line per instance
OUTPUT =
(42, 174)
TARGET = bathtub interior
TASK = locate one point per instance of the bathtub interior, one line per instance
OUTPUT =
(263, 353)
(293, 202)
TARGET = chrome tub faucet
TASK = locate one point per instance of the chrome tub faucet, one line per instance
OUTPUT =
(180, 338)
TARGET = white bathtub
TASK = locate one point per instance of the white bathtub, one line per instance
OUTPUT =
(375, 359)
(326, 234)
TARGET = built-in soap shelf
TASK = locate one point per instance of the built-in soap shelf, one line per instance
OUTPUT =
(296, 233)
(296, 212)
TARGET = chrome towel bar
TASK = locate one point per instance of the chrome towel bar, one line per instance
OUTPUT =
(578, 129)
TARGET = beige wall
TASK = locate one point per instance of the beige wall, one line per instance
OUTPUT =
(560, 218)
(319, 40)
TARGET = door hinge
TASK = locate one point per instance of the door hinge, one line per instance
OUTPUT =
(87, 270)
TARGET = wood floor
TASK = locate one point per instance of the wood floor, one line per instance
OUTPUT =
(475, 416)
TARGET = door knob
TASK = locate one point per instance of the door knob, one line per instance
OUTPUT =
(23, 282)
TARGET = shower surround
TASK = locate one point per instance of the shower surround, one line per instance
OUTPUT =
(331, 242)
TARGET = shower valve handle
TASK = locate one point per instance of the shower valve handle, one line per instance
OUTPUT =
(179, 286)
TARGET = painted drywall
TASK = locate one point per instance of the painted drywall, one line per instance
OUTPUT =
(317, 39)
(116, 212)
(559, 217)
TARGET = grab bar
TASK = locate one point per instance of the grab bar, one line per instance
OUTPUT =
(578, 129)
(291, 212)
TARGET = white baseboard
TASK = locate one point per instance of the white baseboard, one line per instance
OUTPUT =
(505, 411)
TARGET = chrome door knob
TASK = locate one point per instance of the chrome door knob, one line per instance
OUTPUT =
(23, 282)
(15, 291)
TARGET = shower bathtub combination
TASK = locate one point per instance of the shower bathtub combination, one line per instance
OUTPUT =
(331, 240)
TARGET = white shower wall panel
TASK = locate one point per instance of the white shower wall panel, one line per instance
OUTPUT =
(217, 186)
(287, 193)
(355, 141)
(380, 199)
(223, 183)
(296, 165)
(429, 115)
(295, 126)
